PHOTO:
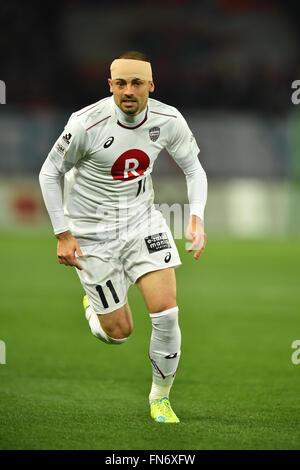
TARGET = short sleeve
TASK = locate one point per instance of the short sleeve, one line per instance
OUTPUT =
(71, 146)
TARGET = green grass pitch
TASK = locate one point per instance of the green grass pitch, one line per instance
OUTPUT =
(236, 387)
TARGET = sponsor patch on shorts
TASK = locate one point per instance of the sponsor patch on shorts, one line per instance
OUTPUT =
(157, 242)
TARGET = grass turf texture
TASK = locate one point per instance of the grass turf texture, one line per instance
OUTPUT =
(236, 386)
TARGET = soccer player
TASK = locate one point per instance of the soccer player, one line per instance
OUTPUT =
(105, 220)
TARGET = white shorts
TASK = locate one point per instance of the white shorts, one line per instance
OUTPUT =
(110, 267)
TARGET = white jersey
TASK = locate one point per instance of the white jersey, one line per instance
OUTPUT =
(107, 159)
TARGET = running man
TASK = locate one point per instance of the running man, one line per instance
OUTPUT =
(105, 219)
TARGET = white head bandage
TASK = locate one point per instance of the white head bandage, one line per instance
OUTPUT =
(130, 68)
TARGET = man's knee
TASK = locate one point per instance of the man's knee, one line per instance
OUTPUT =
(160, 305)
(117, 332)
(117, 325)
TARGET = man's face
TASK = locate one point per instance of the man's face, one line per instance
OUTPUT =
(131, 95)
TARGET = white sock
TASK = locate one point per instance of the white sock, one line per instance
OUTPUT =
(159, 391)
(97, 329)
(164, 351)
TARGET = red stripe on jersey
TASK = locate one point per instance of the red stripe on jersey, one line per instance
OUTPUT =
(97, 122)
(87, 110)
(171, 115)
(134, 127)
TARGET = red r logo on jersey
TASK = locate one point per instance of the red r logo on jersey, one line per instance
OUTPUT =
(130, 165)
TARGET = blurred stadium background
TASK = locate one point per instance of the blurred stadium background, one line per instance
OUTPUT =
(228, 66)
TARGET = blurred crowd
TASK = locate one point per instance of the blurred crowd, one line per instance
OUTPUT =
(233, 54)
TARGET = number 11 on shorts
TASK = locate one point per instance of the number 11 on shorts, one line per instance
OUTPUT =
(99, 289)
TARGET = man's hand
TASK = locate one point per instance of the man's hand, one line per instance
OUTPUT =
(195, 233)
(67, 245)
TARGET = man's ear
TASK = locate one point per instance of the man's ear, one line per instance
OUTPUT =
(152, 87)
(110, 84)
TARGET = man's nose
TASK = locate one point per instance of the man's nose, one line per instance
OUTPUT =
(128, 90)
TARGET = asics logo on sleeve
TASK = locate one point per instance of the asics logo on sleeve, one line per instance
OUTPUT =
(130, 165)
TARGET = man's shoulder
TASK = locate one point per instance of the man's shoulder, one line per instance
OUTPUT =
(93, 113)
(158, 107)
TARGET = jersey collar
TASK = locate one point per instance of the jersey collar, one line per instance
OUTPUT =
(129, 122)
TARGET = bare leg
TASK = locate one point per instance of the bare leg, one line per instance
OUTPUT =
(117, 324)
(158, 289)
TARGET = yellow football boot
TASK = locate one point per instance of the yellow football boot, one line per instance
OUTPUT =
(85, 302)
(162, 412)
